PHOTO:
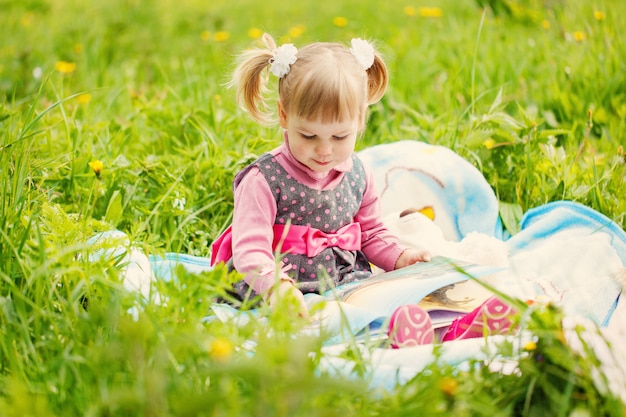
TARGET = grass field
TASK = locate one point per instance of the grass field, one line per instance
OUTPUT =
(115, 115)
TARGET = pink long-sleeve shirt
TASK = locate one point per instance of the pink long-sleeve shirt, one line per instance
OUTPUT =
(255, 213)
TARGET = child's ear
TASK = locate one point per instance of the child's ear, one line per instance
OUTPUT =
(282, 115)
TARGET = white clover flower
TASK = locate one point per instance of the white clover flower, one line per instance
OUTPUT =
(179, 202)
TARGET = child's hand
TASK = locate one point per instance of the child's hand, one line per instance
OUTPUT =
(411, 256)
(286, 293)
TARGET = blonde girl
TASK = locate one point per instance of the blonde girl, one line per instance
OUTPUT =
(307, 215)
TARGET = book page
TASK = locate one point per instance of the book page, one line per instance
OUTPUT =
(410, 285)
(445, 304)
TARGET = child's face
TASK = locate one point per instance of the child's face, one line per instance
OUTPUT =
(320, 146)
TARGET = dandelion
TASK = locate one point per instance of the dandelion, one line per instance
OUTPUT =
(96, 165)
(430, 12)
(409, 10)
(205, 35)
(545, 24)
(255, 33)
(84, 98)
(449, 386)
(579, 36)
(530, 346)
(489, 143)
(27, 19)
(598, 15)
(65, 67)
(221, 349)
(296, 31)
(136, 95)
(340, 21)
(221, 36)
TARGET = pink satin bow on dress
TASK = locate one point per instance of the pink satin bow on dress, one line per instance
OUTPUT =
(301, 240)
(309, 241)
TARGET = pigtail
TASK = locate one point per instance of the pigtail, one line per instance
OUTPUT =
(250, 81)
(377, 80)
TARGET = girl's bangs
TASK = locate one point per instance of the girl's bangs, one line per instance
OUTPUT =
(329, 101)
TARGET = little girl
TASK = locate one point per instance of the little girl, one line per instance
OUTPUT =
(307, 215)
(311, 201)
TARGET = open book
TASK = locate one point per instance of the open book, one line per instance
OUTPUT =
(444, 287)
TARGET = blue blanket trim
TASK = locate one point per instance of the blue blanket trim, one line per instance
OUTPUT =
(570, 214)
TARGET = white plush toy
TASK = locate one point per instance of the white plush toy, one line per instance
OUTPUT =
(416, 228)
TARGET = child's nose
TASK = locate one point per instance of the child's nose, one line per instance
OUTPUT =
(324, 149)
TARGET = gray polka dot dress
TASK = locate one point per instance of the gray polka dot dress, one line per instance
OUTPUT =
(326, 210)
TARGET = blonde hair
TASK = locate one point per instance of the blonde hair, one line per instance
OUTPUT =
(326, 82)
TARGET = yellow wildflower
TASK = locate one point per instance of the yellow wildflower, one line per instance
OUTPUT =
(205, 35)
(340, 21)
(598, 15)
(221, 36)
(449, 386)
(409, 10)
(530, 346)
(221, 349)
(78, 48)
(579, 36)
(490, 143)
(545, 24)
(255, 33)
(430, 12)
(27, 19)
(84, 99)
(296, 31)
(65, 67)
(96, 165)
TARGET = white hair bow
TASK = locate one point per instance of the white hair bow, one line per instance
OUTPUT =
(282, 58)
(363, 51)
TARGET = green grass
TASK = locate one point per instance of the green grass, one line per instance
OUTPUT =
(533, 93)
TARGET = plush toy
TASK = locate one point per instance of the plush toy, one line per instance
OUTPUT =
(416, 228)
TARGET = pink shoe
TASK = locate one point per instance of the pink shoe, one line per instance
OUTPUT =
(410, 325)
(492, 317)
